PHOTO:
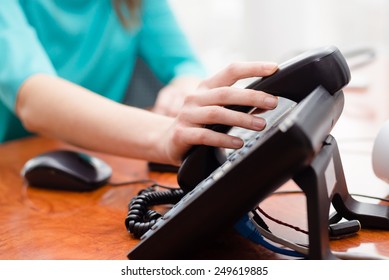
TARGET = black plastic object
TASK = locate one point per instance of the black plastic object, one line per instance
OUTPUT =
(294, 80)
(323, 183)
(161, 167)
(246, 178)
(66, 170)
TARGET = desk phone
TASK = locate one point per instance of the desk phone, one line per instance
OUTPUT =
(221, 187)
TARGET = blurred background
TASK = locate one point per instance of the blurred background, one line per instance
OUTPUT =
(222, 31)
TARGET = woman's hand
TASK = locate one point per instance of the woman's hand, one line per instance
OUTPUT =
(171, 97)
(206, 106)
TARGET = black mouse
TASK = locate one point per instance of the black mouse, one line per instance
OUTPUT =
(66, 170)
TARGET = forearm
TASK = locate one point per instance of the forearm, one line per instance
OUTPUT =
(60, 109)
(57, 108)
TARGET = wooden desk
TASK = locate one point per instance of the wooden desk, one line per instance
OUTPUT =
(48, 224)
(43, 224)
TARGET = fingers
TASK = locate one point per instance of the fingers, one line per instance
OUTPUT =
(206, 106)
(184, 137)
(237, 71)
(168, 104)
(171, 97)
(233, 96)
(201, 136)
(221, 115)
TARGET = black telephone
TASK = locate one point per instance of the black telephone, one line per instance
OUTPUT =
(221, 189)
(294, 80)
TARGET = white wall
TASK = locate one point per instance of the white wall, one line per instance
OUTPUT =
(223, 31)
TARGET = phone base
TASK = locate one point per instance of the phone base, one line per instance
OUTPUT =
(323, 183)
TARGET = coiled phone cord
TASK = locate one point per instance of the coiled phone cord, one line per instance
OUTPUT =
(140, 218)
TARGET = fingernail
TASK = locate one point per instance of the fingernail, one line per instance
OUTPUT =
(237, 143)
(271, 102)
(269, 66)
(259, 123)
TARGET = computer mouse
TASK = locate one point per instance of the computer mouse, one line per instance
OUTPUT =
(66, 170)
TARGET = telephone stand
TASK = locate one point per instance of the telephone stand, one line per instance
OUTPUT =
(323, 183)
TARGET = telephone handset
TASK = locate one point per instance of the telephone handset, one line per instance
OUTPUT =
(221, 192)
(299, 76)
(294, 80)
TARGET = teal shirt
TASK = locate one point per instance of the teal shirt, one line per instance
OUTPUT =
(84, 42)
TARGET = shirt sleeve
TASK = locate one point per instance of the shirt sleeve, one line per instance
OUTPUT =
(163, 45)
(21, 53)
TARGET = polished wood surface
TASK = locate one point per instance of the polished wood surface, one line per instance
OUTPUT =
(51, 224)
